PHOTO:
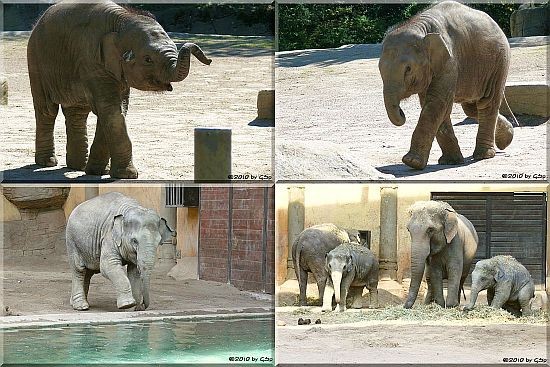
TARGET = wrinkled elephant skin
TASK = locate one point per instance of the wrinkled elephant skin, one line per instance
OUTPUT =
(448, 53)
(85, 57)
(107, 233)
(444, 243)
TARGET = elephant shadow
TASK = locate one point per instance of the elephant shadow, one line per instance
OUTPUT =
(34, 172)
(258, 122)
(402, 170)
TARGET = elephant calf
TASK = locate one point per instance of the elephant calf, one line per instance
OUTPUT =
(309, 250)
(508, 283)
(107, 233)
(350, 268)
(84, 58)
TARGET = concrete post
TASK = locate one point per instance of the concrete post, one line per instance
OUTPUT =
(212, 154)
(91, 191)
(388, 233)
(296, 220)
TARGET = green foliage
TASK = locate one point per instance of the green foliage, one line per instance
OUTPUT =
(304, 26)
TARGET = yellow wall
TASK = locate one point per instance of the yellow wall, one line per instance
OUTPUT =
(358, 206)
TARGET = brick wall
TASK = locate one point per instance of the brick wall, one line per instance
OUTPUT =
(247, 262)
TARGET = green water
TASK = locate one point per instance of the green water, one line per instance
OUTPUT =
(150, 342)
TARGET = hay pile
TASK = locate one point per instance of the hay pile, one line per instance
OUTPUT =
(426, 313)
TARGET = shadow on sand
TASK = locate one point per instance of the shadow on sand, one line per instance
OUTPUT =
(33, 173)
(328, 57)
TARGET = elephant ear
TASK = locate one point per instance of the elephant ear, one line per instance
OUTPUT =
(451, 225)
(165, 231)
(110, 55)
(500, 275)
(437, 50)
(117, 230)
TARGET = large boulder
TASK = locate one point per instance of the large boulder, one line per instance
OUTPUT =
(530, 21)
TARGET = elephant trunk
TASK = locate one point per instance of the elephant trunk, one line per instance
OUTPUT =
(473, 297)
(181, 68)
(145, 268)
(395, 113)
(418, 262)
(336, 277)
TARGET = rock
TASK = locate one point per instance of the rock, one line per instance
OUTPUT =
(281, 323)
(530, 21)
(266, 104)
(36, 197)
(527, 98)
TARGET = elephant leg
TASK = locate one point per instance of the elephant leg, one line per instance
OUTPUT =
(372, 286)
(454, 275)
(327, 297)
(355, 294)
(117, 275)
(436, 283)
(448, 143)
(79, 289)
(490, 295)
(504, 132)
(487, 116)
(87, 278)
(513, 307)
(524, 300)
(99, 153)
(429, 293)
(135, 282)
(77, 136)
(321, 283)
(108, 103)
(502, 293)
(434, 112)
(45, 113)
(303, 286)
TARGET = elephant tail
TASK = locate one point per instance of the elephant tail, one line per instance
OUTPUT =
(463, 293)
(510, 110)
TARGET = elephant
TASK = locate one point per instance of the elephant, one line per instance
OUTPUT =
(107, 233)
(509, 285)
(350, 268)
(444, 242)
(308, 254)
(85, 57)
(447, 54)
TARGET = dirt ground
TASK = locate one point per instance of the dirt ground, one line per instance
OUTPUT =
(161, 125)
(420, 335)
(344, 133)
(42, 285)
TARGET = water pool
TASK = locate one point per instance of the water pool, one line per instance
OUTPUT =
(218, 341)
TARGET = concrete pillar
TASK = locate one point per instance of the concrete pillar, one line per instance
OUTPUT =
(91, 191)
(296, 220)
(212, 154)
(3, 91)
(388, 233)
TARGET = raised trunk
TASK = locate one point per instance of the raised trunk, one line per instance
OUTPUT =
(395, 113)
(181, 68)
(336, 277)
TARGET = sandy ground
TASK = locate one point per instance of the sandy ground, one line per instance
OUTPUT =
(348, 338)
(161, 125)
(344, 132)
(40, 286)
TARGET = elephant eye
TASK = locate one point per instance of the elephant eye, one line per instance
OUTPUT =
(134, 242)
(407, 69)
(430, 230)
(148, 60)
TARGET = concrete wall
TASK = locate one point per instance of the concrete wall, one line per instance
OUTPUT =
(358, 206)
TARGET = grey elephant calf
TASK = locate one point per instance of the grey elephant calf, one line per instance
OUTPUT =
(508, 283)
(309, 250)
(107, 233)
(350, 268)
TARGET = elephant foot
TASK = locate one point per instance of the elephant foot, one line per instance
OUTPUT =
(95, 169)
(80, 305)
(46, 160)
(140, 307)
(504, 133)
(340, 308)
(467, 308)
(415, 161)
(448, 159)
(125, 302)
(483, 153)
(357, 304)
(326, 309)
(127, 172)
(78, 164)
(408, 304)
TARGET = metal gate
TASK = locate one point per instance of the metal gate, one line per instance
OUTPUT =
(507, 224)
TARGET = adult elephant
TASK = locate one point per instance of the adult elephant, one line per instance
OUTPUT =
(448, 53)
(107, 233)
(444, 242)
(309, 251)
(85, 57)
